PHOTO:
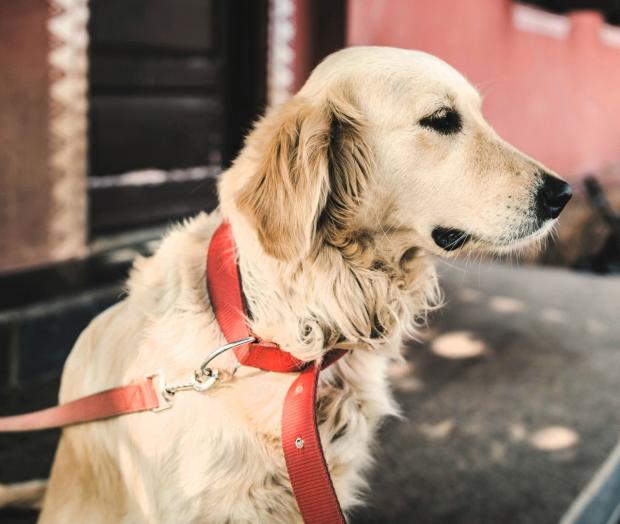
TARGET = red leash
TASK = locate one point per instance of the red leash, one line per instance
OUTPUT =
(123, 400)
(305, 462)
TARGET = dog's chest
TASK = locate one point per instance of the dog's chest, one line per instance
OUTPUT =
(234, 463)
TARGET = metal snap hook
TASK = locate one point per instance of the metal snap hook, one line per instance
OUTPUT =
(204, 377)
(204, 381)
(204, 367)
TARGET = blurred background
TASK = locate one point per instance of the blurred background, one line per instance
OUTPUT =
(116, 118)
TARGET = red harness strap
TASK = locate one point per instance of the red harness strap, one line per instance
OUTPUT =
(305, 462)
(227, 302)
(140, 396)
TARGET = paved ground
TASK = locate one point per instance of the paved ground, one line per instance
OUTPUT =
(510, 431)
(509, 408)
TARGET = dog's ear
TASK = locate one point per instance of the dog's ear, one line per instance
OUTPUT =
(314, 169)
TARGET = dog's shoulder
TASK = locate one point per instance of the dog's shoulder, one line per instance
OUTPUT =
(174, 276)
(161, 289)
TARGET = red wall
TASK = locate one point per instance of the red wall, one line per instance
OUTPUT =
(555, 97)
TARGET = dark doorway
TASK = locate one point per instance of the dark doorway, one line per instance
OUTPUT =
(173, 88)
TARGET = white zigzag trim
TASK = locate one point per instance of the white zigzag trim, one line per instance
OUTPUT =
(281, 50)
(68, 103)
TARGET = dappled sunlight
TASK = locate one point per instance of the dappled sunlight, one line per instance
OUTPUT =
(438, 430)
(400, 369)
(554, 315)
(517, 432)
(402, 377)
(458, 345)
(554, 438)
(496, 446)
(595, 327)
(471, 296)
(408, 384)
(505, 305)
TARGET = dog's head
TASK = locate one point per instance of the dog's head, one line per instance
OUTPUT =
(387, 147)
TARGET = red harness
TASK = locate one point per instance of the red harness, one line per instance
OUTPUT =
(305, 462)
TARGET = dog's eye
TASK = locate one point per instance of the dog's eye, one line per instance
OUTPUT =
(446, 121)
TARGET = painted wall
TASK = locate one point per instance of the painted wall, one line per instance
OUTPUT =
(551, 83)
(42, 132)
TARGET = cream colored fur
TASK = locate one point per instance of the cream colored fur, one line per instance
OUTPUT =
(332, 203)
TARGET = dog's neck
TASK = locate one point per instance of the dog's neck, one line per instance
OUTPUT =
(312, 305)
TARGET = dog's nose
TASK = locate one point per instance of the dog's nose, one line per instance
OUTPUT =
(552, 196)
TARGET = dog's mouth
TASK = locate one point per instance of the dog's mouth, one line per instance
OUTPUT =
(526, 240)
(450, 239)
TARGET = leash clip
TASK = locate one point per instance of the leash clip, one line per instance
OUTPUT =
(204, 367)
(202, 381)
(159, 383)
(204, 377)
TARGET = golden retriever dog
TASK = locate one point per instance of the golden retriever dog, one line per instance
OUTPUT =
(338, 203)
